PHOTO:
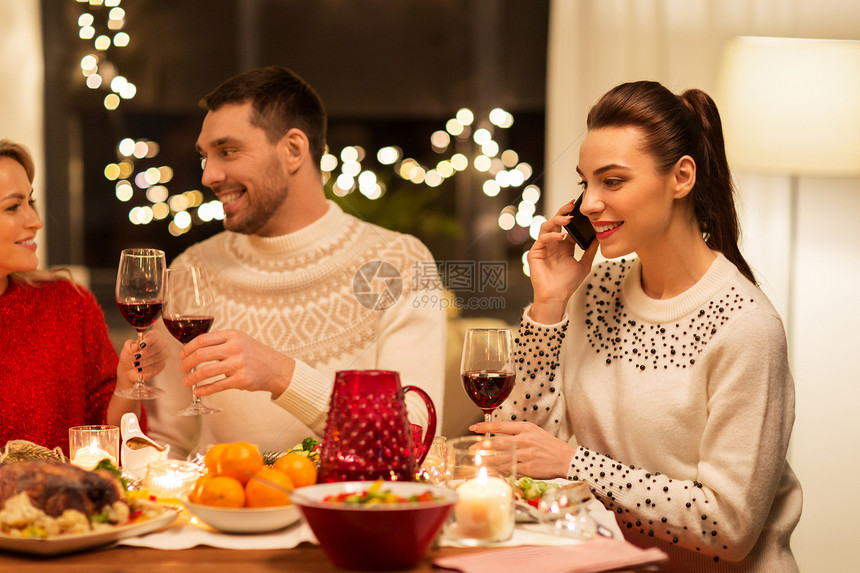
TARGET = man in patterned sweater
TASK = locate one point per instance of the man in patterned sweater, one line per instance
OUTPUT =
(302, 289)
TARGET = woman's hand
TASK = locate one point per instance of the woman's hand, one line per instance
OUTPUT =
(555, 272)
(540, 455)
(148, 360)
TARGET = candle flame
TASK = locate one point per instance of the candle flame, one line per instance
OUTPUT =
(482, 476)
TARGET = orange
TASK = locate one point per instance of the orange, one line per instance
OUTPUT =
(300, 469)
(210, 460)
(259, 491)
(198, 486)
(239, 460)
(221, 491)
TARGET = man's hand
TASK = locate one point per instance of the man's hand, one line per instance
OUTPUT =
(238, 361)
(539, 454)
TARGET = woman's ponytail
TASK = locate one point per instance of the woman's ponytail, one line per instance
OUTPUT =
(714, 194)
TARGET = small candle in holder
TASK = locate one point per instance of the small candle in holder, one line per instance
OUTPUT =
(478, 469)
(484, 508)
(170, 479)
(88, 445)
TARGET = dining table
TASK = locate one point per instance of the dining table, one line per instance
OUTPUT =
(242, 552)
(306, 558)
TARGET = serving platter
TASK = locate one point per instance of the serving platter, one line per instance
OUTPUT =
(79, 542)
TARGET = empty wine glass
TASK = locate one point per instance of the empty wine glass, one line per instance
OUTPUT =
(139, 296)
(189, 309)
(563, 511)
(487, 367)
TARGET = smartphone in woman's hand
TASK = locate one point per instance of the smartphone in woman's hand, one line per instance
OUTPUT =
(580, 226)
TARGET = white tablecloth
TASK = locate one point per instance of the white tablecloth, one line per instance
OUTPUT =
(185, 533)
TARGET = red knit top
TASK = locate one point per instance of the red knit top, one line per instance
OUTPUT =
(57, 364)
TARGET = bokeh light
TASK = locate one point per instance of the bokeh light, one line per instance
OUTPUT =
(124, 191)
(102, 43)
(388, 155)
(328, 163)
(454, 127)
(111, 101)
(531, 194)
(490, 188)
(440, 140)
(112, 171)
(465, 116)
(507, 220)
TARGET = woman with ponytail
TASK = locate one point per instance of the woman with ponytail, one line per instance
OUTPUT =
(661, 379)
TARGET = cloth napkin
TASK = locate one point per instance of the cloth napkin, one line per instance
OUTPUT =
(589, 557)
(184, 534)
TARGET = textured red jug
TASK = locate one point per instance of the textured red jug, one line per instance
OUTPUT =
(367, 434)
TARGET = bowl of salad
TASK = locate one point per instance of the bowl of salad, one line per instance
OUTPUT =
(374, 526)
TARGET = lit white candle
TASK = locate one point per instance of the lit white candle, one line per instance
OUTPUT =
(170, 479)
(89, 457)
(484, 508)
(167, 485)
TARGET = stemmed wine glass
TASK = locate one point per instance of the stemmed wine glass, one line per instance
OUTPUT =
(487, 367)
(189, 312)
(563, 511)
(139, 296)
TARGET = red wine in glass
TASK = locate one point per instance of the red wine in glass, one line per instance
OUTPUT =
(139, 297)
(140, 315)
(189, 310)
(187, 328)
(488, 389)
(487, 367)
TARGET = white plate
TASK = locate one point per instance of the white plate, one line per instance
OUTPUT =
(81, 541)
(245, 520)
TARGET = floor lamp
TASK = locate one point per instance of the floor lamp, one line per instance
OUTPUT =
(791, 106)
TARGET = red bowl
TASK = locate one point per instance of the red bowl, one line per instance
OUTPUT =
(381, 537)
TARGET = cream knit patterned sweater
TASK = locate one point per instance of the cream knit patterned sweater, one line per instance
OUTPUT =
(682, 409)
(295, 293)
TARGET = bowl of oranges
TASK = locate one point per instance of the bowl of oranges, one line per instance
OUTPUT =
(239, 493)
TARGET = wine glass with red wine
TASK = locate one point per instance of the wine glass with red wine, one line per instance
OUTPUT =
(139, 296)
(487, 367)
(189, 309)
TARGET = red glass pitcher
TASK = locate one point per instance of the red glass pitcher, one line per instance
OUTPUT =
(367, 435)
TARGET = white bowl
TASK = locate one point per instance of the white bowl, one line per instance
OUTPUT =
(245, 520)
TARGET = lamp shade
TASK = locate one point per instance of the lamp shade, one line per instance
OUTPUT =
(792, 105)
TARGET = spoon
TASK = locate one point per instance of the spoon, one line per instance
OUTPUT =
(140, 442)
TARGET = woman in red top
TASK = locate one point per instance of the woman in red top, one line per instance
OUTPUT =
(58, 367)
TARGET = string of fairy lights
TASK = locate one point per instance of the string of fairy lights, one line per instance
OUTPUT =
(101, 26)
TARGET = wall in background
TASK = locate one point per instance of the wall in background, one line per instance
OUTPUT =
(826, 312)
(22, 71)
(823, 308)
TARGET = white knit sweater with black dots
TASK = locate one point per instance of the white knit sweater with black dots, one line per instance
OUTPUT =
(683, 410)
